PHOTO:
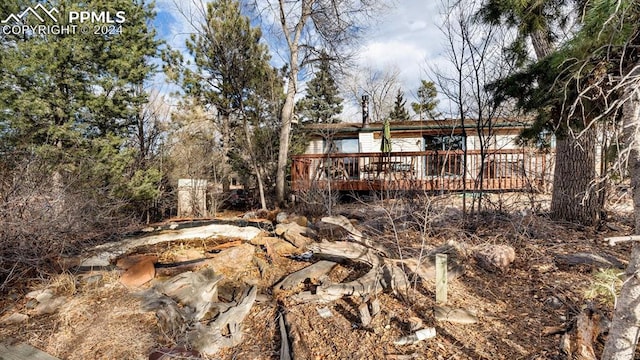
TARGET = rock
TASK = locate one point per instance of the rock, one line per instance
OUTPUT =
(553, 303)
(15, 318)
(31, 304)
(40, 294)
(139, 274)
(126, 262)
(90, 279)
(276, 245)
(495, 257)
(233, 260)
(456, 316)
(344, 223)
(282, 217)
(302, 221)
(297, 235)
(250, 215)
(49, 306)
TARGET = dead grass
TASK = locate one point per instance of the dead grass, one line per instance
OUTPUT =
(103, 320)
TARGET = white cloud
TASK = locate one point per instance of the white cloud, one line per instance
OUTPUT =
(406, 37)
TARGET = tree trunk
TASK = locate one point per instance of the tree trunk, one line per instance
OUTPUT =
(226, 148)
(254, 164)
(541, 44)
(623, 335)
(285, 130)
(575, 195)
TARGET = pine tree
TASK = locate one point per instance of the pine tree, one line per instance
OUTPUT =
(230, 62)
(321, 103)
(427, 101)
(232, 78)
(399, 111)
(574, 197)
(71, 98)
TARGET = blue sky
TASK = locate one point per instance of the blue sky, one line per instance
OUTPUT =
(406, 37)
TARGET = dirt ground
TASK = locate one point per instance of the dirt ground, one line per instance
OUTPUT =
(519, 310)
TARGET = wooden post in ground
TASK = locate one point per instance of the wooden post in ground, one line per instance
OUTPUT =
(441, 279)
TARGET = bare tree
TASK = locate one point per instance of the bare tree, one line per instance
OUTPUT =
(475, 59)
(380, 85)
(150, 125)
(309, 27)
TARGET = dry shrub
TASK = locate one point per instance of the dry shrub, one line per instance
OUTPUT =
(46, 214)
(316, 201)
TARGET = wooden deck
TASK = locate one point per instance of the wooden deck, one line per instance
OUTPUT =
(502, 170)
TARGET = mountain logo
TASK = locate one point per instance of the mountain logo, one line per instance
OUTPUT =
(35, 11)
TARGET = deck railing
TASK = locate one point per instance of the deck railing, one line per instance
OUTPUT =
(505, 169)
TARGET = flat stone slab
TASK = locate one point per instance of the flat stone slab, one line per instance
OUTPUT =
(107, 252)
(456, 316)
(15, 350)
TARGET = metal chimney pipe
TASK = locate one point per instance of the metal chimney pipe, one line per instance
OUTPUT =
(365, 110)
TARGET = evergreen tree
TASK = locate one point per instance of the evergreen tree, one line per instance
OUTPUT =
(321, 103)
(574, 198)
(399, 111)
(427, 101)
(230, 63)
(71, 97)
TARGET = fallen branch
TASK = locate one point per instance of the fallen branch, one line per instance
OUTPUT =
(285, 351)
(211, 338)
(613, 241)
(355, 234)
(312, 272)
(581, 258)
(346, 250)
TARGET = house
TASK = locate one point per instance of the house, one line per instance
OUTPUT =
(431, 155)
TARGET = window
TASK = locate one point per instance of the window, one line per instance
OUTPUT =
(444, 142)
(440, 162)
(348, 166)
(342, 146)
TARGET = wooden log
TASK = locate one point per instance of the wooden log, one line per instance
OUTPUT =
(312, 272)
(211, 338)
(197, 290)
(370, 284)
(346, 250)
(225, 245)
(297, 235)
(299, 347)
(355, 234)
(457, 316)
(106, 253)
(582, 258)
(375, 307)
(395, 279)
(613, 241)
(578, 343)
(285, 351)
(365, 316)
